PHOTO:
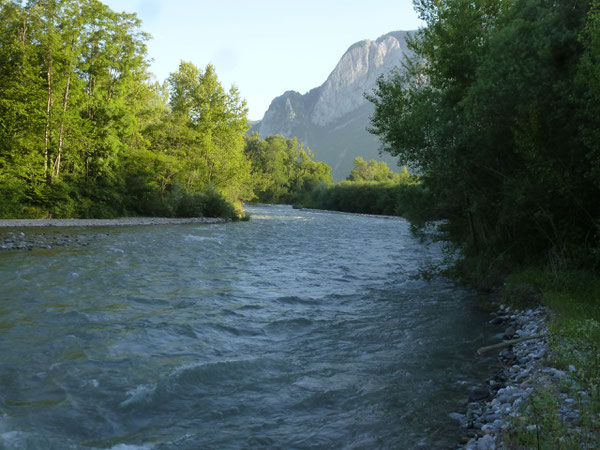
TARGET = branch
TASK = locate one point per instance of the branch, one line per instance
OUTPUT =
(508, 343)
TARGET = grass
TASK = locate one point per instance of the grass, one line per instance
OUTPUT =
(573, 300)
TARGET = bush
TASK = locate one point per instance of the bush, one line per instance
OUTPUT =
(411, 201)
(11, 197)
(214, 205)
(208, 203)
(58, 200)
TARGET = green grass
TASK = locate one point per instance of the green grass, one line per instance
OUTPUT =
(573, 300)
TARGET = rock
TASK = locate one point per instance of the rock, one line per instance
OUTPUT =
(490, 418)
(478, 393)
(504, 398)
(509, 333)
(559, 373)
(337, 108)
(574, 415)
(461, 418)
(486, 443)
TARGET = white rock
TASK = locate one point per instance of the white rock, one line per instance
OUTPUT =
(486, 443)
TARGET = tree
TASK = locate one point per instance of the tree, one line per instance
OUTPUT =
(282, 169)
(490, 111)
(217, 121)
(376, 171)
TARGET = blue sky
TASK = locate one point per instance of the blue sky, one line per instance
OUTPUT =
(264, 47)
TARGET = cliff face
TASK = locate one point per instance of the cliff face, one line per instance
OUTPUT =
(332, 118)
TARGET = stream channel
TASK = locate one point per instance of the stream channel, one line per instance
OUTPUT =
(297, 329)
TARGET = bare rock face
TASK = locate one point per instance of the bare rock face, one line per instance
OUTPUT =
(355, 74)
(332, 118)
(285, 114)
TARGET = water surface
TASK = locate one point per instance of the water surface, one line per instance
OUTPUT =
(298, 329)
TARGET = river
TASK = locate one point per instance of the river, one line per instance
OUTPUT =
(297, 329)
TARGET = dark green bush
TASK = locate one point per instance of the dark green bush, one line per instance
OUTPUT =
(11, 197)
(412, 201)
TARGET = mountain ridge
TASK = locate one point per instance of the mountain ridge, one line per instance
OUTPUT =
(332, 118)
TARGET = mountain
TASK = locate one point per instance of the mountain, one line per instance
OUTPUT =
(332, 118)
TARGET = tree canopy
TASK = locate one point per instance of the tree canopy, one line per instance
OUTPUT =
(498, 109)
(283, 170)
(376, 171)
(84, 132)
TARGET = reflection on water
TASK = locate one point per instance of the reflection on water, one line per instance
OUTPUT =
(296, 329)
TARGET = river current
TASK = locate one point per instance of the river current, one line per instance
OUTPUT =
(297, 329)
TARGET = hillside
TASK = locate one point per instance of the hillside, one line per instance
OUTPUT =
(332, 118)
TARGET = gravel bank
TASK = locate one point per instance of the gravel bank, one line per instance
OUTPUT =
(16, 234)
(500, 403)
(126, 221)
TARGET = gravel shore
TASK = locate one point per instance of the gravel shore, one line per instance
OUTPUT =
(502, 402)
(125, 221)
(30, 234)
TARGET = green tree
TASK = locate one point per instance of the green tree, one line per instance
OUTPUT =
(283, 170)
(217, 120)
(376, 171)
(490, 111)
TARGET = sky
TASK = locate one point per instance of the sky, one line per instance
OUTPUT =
(264, 47)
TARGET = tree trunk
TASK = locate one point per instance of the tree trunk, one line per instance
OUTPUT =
(61, 135)
(472, 224)
(48, 108)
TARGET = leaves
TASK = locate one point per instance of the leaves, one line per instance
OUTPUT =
(498, 108)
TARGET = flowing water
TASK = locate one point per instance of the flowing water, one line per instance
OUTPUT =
(297, 329)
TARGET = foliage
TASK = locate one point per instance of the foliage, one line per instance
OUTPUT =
(408, 199)
(498, 109)
(84, 133)
(283, 171)
(377, 171)
(215, 123)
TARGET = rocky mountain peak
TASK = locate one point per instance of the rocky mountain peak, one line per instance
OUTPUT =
(355, 74)
(339, 101)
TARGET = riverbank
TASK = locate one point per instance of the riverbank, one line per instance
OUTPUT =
(124, 221)
(545, 393)
(17, 234)
(492, 406)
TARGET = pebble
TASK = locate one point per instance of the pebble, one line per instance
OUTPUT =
(43, 240)
(486, 417)
(478, 393)
(487, 442)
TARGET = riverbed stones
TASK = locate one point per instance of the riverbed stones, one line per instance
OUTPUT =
(524, 366)
(123, 221)
(478, 393)
(42, 240)
(508, 392)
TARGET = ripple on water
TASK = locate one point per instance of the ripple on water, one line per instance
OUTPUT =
(296, 329)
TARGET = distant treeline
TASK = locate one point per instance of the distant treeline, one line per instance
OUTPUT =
(372, 188)
(283, 171)
(84, 133)
(499, 109)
